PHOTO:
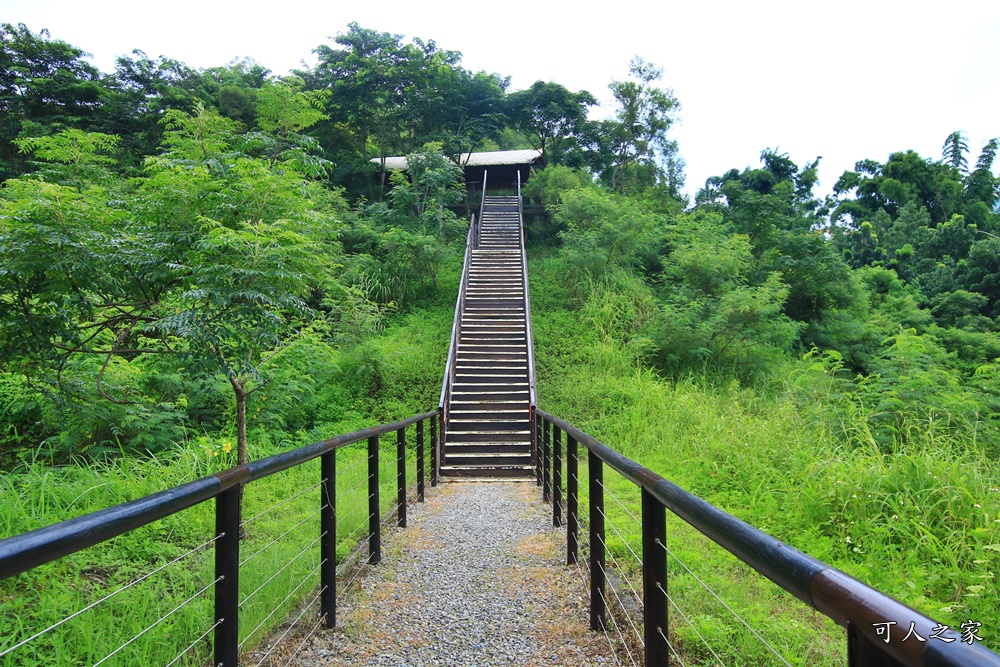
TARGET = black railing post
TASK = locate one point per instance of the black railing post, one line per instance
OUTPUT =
(654, 581)
(435, 446)
(546, 480)
(401, 478)
(374, 527)
(536, 436)
(572, 498)
(556, 477)
(420, 461)
(328, 538)
(595, 491)
(227, 573)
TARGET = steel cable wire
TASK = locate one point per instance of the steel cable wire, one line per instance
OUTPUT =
(110, 595)
(266, 546)
(277, 642)
(280, 503)
(614, 560)
(628, 616)
(282, 569)
(341, 517)
(356, 486)
(618, 630)
(349, 538)
(157, 622)
(703, 584)
(670, 646)
(348, 561)
(360, 463)
(620, 504)
(347, 586)
(195, 642)
(584, 564)
(361, 527)
(611, 645)
(723, 603)
(302, 645)
(279, 605)
(690, 623)
(621, 537)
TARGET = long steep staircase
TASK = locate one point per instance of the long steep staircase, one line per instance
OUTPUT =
(488, 405)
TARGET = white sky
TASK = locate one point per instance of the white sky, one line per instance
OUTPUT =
(847, 80)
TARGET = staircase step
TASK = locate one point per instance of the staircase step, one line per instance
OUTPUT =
(487, 460)
(509, 448)
(525, 472)
(513, 437)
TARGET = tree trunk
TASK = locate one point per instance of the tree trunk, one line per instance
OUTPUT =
(241, 420)
(241, 438)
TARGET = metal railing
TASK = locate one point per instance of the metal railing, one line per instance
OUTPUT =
(471, 243)
(456, 333)
(479, 221)
(877, 625)
(21, 553)
(529, 336)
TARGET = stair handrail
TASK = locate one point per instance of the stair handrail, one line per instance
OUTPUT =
(456, 326)
(532, 393)
(479, 222)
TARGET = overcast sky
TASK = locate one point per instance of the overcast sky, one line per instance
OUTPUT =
(846, 80)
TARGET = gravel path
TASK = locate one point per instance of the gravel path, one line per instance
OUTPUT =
(478, 578)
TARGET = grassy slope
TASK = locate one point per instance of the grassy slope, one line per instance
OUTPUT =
(922, 524)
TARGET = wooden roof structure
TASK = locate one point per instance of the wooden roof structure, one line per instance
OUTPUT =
(501, 165)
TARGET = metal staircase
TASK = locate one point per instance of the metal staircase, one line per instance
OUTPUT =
(489, 387)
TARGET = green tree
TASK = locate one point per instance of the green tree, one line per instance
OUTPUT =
(284, 111)
(712, 313)
(905, 177)
(211, 256)
(551, 115)
(632, 148)
(242, 285)
(45, 86)
(604, 229)
(369, 80)
(954, 150)
(982, 189)
(424, 192)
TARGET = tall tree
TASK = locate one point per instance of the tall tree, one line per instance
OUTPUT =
(212, 254)
(369, 80)
(904, 177)
(954, 150)
(551, 115)
(982, 189)
(242, 286)
(634, 144)
(45, 86)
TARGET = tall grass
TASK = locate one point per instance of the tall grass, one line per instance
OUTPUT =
(921, 522)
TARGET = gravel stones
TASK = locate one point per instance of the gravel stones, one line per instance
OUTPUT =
(477, 579)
